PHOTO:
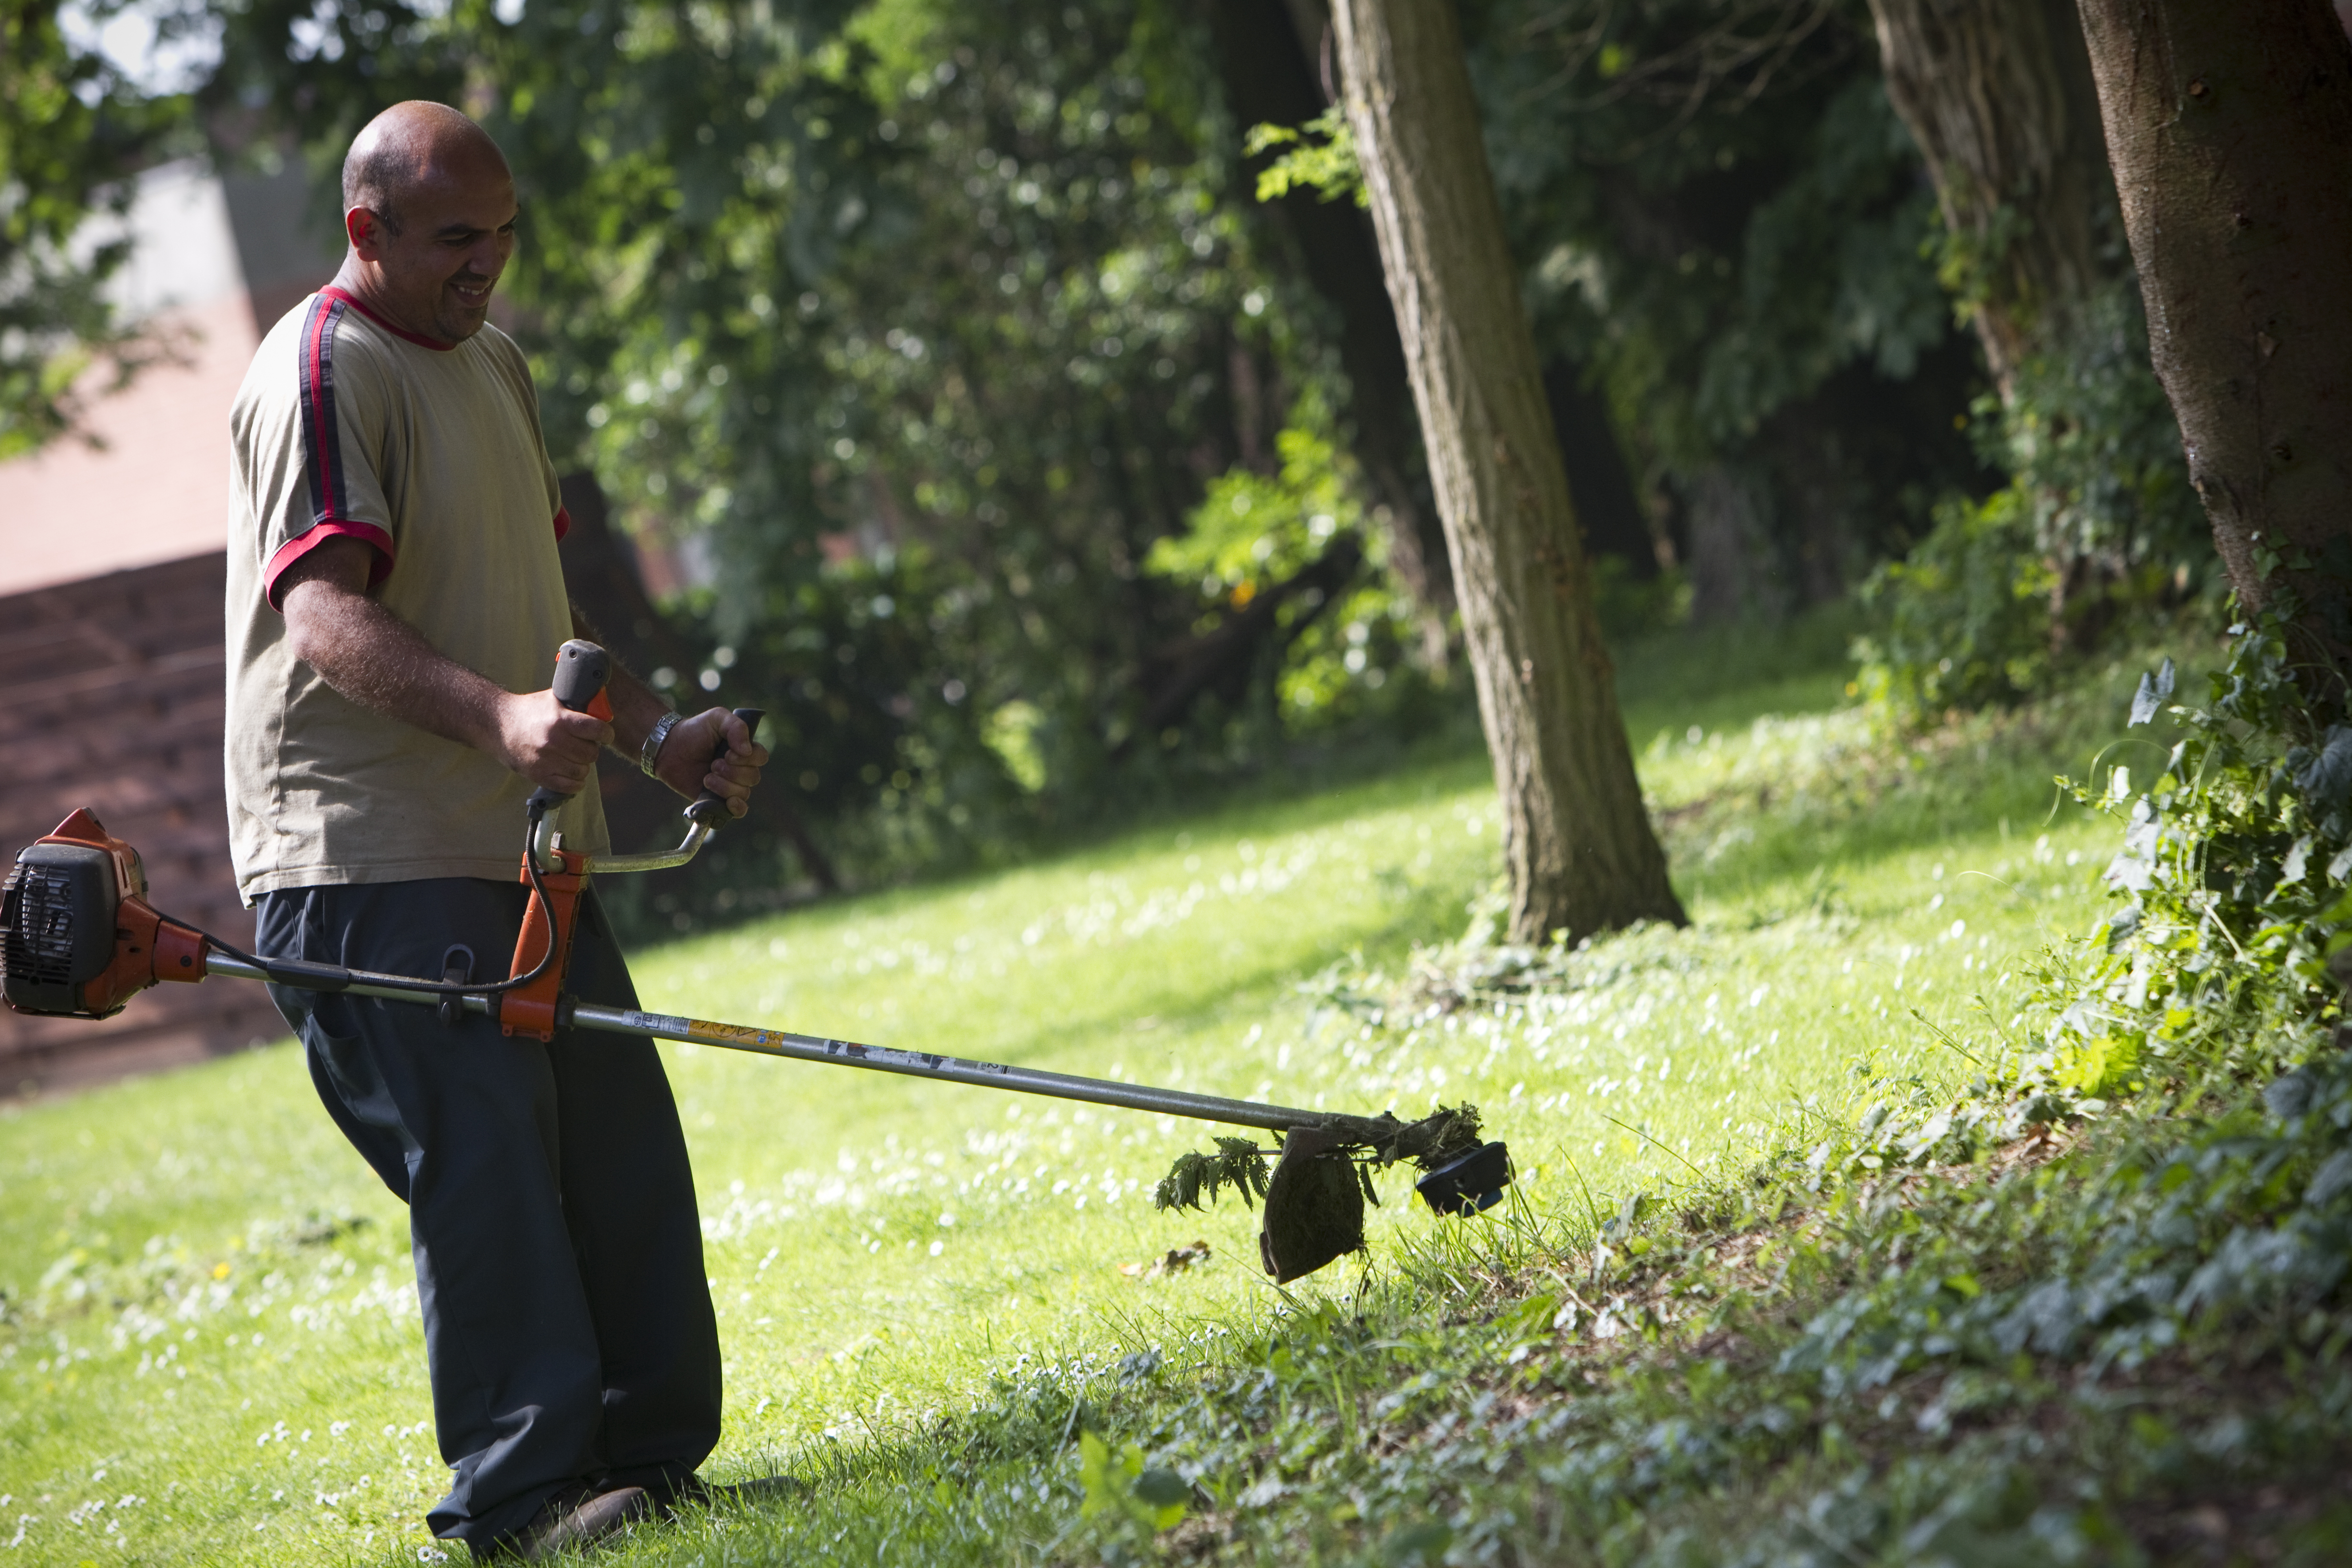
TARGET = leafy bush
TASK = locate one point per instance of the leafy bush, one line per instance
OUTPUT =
(2097, 528)
(1962, 621)
(2231, 881)
(1253, 531)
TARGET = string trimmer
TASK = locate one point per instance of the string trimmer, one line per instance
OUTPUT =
(78, 939)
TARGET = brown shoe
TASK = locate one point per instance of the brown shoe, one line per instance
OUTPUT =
(567, 1524)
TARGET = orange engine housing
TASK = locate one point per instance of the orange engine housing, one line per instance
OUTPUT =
(78, 938)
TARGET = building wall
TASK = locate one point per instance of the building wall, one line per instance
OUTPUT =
(111, 580)
(111, 693)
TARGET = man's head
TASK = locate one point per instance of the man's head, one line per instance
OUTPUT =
(429, 208)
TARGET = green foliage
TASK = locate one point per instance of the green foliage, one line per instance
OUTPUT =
(1320, 156)
(1963, 620)
(1238, 1164)
(1121, 1487)
(2090, 438)
(1253, 530)
(1722, 217)
(2097, 534)
(72, 133)
(2233, 883)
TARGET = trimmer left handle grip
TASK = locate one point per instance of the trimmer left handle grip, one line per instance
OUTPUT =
(582, 672)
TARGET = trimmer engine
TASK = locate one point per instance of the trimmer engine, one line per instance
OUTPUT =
(76, 937)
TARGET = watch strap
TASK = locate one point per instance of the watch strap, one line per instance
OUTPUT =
(650, 753)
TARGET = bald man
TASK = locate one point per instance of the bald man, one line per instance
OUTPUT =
(395, 607)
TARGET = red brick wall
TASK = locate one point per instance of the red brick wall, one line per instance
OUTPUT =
(112, 692)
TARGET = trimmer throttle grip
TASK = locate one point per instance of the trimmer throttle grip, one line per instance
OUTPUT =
(581, 669)
(708, 809)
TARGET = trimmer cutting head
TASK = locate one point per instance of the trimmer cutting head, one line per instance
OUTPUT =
(1315, 1197)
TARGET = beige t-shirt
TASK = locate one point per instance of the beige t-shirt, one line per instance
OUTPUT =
(431, 454)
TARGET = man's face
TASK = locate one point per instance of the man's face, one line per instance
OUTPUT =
(457, 231)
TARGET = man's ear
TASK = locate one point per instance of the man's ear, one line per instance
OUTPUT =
(365, 230)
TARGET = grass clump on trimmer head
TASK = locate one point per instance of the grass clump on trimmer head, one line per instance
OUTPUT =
(1316, 1194)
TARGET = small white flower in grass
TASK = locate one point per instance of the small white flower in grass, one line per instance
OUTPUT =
(938, 1247)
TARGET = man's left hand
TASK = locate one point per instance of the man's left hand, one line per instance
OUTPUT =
(686, 762)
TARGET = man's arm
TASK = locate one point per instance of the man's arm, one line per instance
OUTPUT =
(685, 763)
(381, 662)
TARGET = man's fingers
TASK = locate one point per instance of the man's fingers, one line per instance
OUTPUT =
(585, 727)
(731, 776)
(552, 745)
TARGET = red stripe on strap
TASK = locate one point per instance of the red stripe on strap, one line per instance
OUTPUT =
(327, 448)
(294, 549)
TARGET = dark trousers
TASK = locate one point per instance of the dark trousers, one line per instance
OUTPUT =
(568, 1326)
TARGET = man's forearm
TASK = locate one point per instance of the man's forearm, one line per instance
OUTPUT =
(376, 660)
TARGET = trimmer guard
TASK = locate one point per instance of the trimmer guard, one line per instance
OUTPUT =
(1313, 1205)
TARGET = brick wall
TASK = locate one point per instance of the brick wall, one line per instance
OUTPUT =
(112, 692)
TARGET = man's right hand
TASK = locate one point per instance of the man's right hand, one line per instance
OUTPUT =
(548, 744)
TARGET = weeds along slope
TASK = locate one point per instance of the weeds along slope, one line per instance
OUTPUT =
(935, 1301)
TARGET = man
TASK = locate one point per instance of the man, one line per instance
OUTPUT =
(395, 607)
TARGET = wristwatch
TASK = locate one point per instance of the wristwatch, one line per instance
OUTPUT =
(651, 750)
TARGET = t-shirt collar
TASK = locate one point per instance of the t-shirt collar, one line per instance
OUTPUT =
(356, 303)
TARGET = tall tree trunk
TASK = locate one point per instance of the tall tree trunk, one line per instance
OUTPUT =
(1731, 551)
(2230, 127)
(1581, 854)
(1997, 94)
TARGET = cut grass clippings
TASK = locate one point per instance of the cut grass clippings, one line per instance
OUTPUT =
(938, 1305)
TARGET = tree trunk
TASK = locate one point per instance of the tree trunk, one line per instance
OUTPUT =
(1997, 94)
(2230, 127)
(1731, 548)
(1581, 854)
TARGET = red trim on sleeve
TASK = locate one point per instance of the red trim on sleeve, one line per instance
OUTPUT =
(356, 303)
(563, 522)
(294, 549)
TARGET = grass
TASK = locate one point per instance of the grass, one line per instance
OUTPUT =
(210, 1350)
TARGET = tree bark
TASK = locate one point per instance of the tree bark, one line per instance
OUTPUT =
(1731, 551)
(1998, 93)
(2229, 127)
(1581, 854)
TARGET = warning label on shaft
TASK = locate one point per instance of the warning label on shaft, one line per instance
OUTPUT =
(742, 1034)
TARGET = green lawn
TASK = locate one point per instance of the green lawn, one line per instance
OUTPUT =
(210, 1352)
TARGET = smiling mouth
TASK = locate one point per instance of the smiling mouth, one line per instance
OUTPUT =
(475, 294)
